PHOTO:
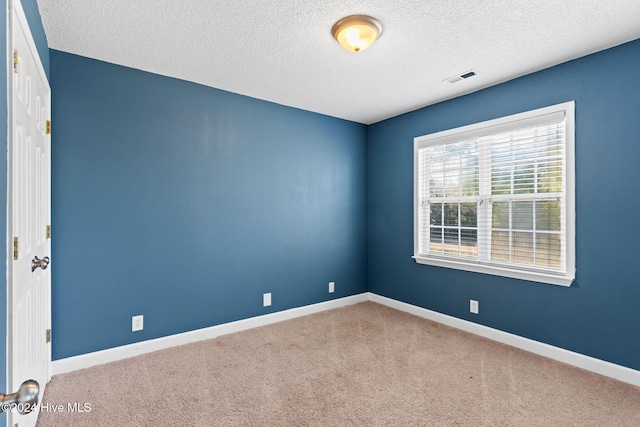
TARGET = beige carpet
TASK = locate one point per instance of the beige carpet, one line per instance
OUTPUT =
(363, 365)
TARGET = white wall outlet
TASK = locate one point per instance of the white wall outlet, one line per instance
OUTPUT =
(474, 306)
(266, 299)
(137, 323)
(332, 287)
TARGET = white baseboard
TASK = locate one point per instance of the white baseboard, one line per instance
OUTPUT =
(118, 353)
(592, 364)
(608, 369)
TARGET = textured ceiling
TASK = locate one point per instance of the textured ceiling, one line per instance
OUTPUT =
(283, 51)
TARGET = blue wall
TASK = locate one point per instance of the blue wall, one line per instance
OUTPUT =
(598, 315)
(186, 203)
(35, 24)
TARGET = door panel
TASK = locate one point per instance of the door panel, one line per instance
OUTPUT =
(29, 353)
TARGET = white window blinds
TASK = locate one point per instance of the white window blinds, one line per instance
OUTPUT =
(497, 197)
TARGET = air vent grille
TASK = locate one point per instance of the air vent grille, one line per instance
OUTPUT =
(462, 76)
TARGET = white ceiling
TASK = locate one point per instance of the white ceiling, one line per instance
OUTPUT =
(283, 51)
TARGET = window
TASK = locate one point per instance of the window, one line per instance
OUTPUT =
(497, 197)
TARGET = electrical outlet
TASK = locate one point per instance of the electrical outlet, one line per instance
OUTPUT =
(332, 287)
(266, 299)
(137, 323)
(474, 306)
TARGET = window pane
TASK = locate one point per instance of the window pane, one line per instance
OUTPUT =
(452, 156)
(500, 151)
(469, 214)
(522, 215)
(500, 180)
(435, 213)
(435, 237)
(548, 215)
(500, 246)
(469, 182)
(550, 177)
(451, 241)
(469, 242)
(436, 158)
(549, 142)
(471, 159)
(436, 184)
(522, 248)
(523, 179)
(548, 250)
(451, 214)
(452, 182)
(500, 215)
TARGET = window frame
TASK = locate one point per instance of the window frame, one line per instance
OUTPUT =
(503, 124)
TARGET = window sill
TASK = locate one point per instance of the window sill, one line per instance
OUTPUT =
(560, 280)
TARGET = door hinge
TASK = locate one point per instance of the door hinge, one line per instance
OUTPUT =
(16, 60)
(15, 248)
(48, 336)
(48, 127)
(48, 236)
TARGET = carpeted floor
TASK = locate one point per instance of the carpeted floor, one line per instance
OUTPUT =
(362, 365)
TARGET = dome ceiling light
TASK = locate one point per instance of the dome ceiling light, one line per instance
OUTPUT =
(356, 32)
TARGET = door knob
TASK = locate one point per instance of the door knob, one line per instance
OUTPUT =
(42, 263)
(24, 400)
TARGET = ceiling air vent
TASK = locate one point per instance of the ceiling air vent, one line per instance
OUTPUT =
(463, 76)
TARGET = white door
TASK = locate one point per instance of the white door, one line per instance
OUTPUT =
(28, 303)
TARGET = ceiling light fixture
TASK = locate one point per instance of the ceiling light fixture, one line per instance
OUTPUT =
(356, 32)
